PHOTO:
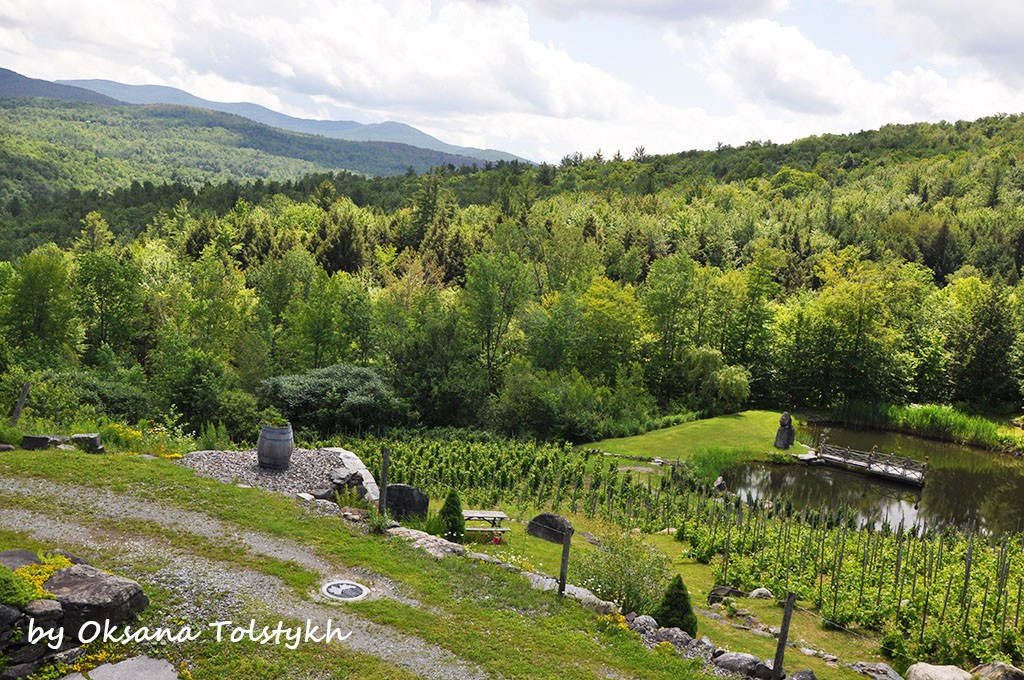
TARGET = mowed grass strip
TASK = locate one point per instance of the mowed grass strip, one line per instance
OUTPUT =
(749, 431)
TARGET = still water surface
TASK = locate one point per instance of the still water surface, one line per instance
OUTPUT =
(964, 487)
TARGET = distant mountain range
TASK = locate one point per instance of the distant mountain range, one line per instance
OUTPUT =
(390, 131)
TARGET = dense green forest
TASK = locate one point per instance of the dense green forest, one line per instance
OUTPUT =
(572, 301)
(51, 144)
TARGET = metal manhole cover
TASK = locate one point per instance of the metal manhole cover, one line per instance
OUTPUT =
(346, 591)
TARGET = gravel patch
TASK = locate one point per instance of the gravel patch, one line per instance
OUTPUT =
(310, 469)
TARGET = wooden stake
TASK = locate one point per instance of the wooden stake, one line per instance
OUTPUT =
(382, 502)
(563, 572)
(780, 651)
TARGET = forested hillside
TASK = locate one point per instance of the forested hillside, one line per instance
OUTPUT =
(574, 301)
(51, 145)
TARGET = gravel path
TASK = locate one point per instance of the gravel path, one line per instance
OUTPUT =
(210, 590)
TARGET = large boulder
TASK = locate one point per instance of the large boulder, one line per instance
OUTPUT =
(761, 594)
(549, 527)
(406, 501)
(997, 670)
(16, 559)
(352, 474)
(88, 594)
(926, 671)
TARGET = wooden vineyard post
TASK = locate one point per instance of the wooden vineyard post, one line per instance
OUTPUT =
(780, 651)
(385, 463)
(563, 573)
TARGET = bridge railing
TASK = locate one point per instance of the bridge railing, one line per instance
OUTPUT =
(874, 459)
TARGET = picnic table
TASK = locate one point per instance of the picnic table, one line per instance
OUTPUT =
(493, 517)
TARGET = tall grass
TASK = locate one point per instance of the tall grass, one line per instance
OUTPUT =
(928, 420)
(707, 464)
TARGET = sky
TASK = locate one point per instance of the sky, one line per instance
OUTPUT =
(548, 78)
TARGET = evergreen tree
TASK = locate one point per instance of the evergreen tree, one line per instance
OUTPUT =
(451, 518)
(675, 609)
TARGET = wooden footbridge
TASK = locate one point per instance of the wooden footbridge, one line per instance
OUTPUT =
(884, 465)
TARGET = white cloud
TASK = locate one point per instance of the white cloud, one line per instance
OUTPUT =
(946, 32)
(763, 62)
(684, 11)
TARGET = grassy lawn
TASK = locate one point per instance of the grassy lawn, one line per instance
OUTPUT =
(749, 431)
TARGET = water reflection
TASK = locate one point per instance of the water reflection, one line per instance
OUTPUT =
(965, 487)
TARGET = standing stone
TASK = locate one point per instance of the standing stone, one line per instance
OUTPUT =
(406, 501)
(786, 434)
(549, 527)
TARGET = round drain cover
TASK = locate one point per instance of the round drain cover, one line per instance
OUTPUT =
(346, 591)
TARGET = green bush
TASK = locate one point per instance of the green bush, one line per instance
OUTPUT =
(452, 521)
(626, 571)
(13, 590)
(675, 609)
(335, 399)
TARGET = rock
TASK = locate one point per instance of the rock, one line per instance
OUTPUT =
(22, 670)
(997, 670)
(88, 442)
(761, 594)
(16, 559)
(719, 593)
(308, 497)
(352, 474)
(719, 484)
(878, 671)
(8, 615)
(37, 442)
(66, 447)
(44, 610)
(407, 501)
(74, 559)
(737, 662)
(549, 527)
(324, 494)
(763, 670)
(88, 594)
(804, 675)
(6, 447)
(27, 653)
(644, 624)
(136, 668)
(434, 545)
(678, 638)
(926, 671)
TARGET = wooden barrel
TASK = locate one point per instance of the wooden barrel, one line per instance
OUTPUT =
(274, 449)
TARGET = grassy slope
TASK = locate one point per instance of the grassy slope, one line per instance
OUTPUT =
(478, 611)
(750, 431)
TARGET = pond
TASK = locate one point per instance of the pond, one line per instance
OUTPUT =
(964, 487)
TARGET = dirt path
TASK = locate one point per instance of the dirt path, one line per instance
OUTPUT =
(209, 589)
